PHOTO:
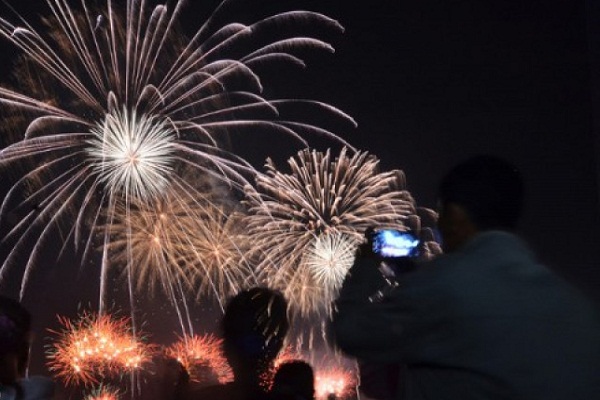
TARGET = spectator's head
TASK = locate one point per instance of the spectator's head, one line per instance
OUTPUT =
(254, 328)
(15, 338)
(294, 380)
(482, 193)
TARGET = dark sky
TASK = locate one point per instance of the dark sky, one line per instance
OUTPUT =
(431, 82)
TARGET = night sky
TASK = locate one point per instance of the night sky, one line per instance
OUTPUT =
(431, 82)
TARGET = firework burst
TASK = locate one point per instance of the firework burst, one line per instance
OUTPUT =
(202, 358)
(185, 244)
(217, 258)
(336, 382)
(287, 354)
(104, 393)
(307, 223)
(96, 346)
(116, 102)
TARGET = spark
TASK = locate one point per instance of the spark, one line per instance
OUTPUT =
(115, 102)
(96, 346)
(302, 220)
(202, 358)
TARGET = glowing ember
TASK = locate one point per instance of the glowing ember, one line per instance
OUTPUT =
(202, 357)
(96, 346)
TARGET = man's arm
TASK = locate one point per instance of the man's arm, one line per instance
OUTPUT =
(366, 329)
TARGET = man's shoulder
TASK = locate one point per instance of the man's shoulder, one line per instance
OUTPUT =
(490, 248)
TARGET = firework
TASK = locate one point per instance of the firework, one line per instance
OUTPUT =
(216, 254)
(104, 393)
(95, 346)
(115, 102)
(334, 382)
(307, 223)
(287, 354)
(183, 243)
(202, 357)
(327, 262)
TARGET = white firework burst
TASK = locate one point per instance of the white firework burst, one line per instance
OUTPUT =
(326, 202)
(329, 260)
(315, 283)
(115, 102)
(133, 155)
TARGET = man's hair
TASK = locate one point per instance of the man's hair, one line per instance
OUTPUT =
(295, 379)
(15, 332)
(489, 188)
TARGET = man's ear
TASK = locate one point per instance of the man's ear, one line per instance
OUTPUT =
(456, 226)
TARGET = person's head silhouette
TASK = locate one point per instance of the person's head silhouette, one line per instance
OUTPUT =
(15, 338)
(482, 193)
(294, 380)
(254, 328)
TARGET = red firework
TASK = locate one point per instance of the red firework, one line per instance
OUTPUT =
(96, 346)
(202, 357)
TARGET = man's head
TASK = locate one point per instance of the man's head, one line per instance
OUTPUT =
(294, 380)
(15, 338)
(254, 327)
(482, 193)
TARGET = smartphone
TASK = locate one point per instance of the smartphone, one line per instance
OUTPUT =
(395, 243)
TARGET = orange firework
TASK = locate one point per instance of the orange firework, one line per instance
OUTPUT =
(95, 346)
(104, 393)
(334, 381)
(287, 354)
(202, 357)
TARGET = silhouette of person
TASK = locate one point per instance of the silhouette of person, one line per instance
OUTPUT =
(294, 380)
(166, 378)
(485, 320)
(15, 340)
(254, 327)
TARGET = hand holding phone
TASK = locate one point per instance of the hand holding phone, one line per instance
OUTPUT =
(394, 243)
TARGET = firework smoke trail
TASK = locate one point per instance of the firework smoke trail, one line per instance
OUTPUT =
(119, 102)
(217, 258)
(315, 213)
(202, 358)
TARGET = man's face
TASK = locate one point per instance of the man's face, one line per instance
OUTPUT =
(455, 226)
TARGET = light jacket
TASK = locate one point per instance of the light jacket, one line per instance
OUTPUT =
(485, 322)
